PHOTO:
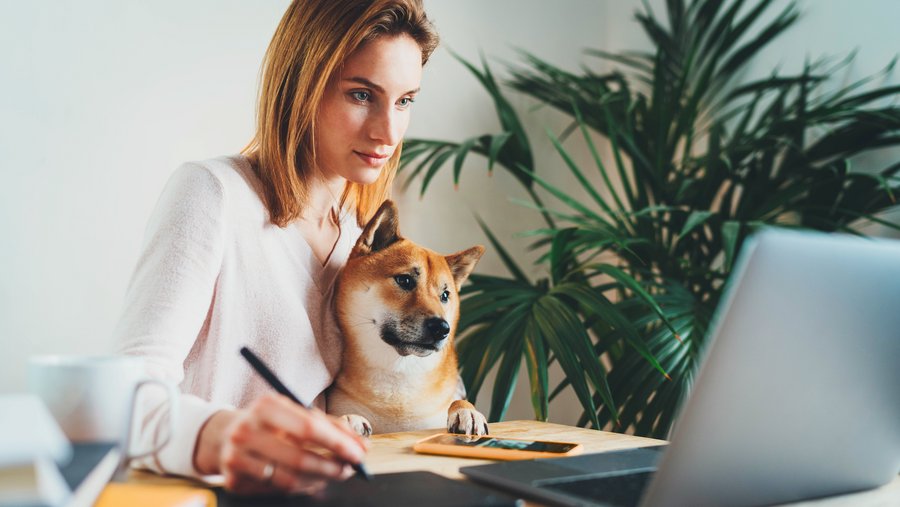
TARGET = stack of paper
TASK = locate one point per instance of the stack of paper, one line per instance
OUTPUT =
(31, 447)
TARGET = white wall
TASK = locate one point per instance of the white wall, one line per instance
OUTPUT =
(101, 100)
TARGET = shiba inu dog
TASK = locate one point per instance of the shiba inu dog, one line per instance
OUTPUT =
(397, 305)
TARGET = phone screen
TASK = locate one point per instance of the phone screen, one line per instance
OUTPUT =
(499, 443)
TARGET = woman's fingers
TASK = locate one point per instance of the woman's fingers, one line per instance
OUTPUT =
(287, 455)
(278, 446)
(242, 468)
(309, 427)
(249, 473)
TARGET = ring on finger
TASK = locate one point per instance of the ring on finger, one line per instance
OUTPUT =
(268, 472)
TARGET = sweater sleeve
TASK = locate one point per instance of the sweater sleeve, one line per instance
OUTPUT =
(166, 305)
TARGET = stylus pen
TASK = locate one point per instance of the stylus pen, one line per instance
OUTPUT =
(276, 384)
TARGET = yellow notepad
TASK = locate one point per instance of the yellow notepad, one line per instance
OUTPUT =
(154, 495)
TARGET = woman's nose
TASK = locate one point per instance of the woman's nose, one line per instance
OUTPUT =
(387, 126)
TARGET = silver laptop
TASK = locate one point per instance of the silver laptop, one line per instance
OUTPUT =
(798, 396)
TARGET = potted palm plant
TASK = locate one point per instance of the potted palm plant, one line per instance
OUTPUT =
(699, 161)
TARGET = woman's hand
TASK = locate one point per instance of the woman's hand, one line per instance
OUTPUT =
(277, 446)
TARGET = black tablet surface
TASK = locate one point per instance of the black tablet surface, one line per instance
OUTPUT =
(412, 489)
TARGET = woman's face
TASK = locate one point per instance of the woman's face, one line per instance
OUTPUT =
(365, 110)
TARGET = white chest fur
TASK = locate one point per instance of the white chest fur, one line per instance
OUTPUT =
(398, 396)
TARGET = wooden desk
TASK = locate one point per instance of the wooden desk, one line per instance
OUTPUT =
(392, 452)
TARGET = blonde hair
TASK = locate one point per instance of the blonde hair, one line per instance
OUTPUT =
(311, 42)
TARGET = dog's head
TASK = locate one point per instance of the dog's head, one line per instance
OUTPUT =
(393, 292)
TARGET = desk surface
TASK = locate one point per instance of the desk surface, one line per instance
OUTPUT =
(392, 452)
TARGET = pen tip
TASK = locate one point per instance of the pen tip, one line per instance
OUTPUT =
(362, 472)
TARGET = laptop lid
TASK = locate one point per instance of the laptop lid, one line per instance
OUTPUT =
(799, 393)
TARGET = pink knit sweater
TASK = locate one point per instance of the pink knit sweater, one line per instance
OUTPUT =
(215, 275)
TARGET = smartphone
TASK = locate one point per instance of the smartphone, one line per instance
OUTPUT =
(490, 447)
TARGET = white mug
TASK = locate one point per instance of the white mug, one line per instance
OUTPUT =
(93, 397)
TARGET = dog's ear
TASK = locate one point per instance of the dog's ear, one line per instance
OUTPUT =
(382, 231)
(462, 263)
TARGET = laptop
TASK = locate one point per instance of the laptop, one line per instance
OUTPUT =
(798, 395)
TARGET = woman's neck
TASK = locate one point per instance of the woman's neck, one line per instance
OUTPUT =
(320, 222)
(323, 203)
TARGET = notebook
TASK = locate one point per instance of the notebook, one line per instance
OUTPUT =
(31, 447)
(798, 396)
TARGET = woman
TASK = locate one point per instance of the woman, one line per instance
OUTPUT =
(243, 250)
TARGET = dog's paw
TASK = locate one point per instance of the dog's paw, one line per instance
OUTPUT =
(359, 424)
(462, 418)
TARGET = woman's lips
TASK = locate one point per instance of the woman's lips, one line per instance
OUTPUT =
(372, 159)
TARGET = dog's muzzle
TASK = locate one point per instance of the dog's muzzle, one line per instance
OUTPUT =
(425, 340)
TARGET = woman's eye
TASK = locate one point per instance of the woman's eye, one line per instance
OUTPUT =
(405, 102)
(445, 296)
(405, 282)
(360, 96)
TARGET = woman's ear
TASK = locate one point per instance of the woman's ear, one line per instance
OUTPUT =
(382, 231)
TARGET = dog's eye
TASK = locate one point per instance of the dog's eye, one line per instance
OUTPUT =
(405, 282)
(445, 296)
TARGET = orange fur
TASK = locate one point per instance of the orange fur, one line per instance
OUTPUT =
(397, 372)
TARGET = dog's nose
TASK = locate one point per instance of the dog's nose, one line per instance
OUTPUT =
(437, 328)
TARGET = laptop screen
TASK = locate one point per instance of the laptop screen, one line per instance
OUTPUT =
(797, 395)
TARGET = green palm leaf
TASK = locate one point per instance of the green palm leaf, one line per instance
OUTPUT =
(699, 160)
